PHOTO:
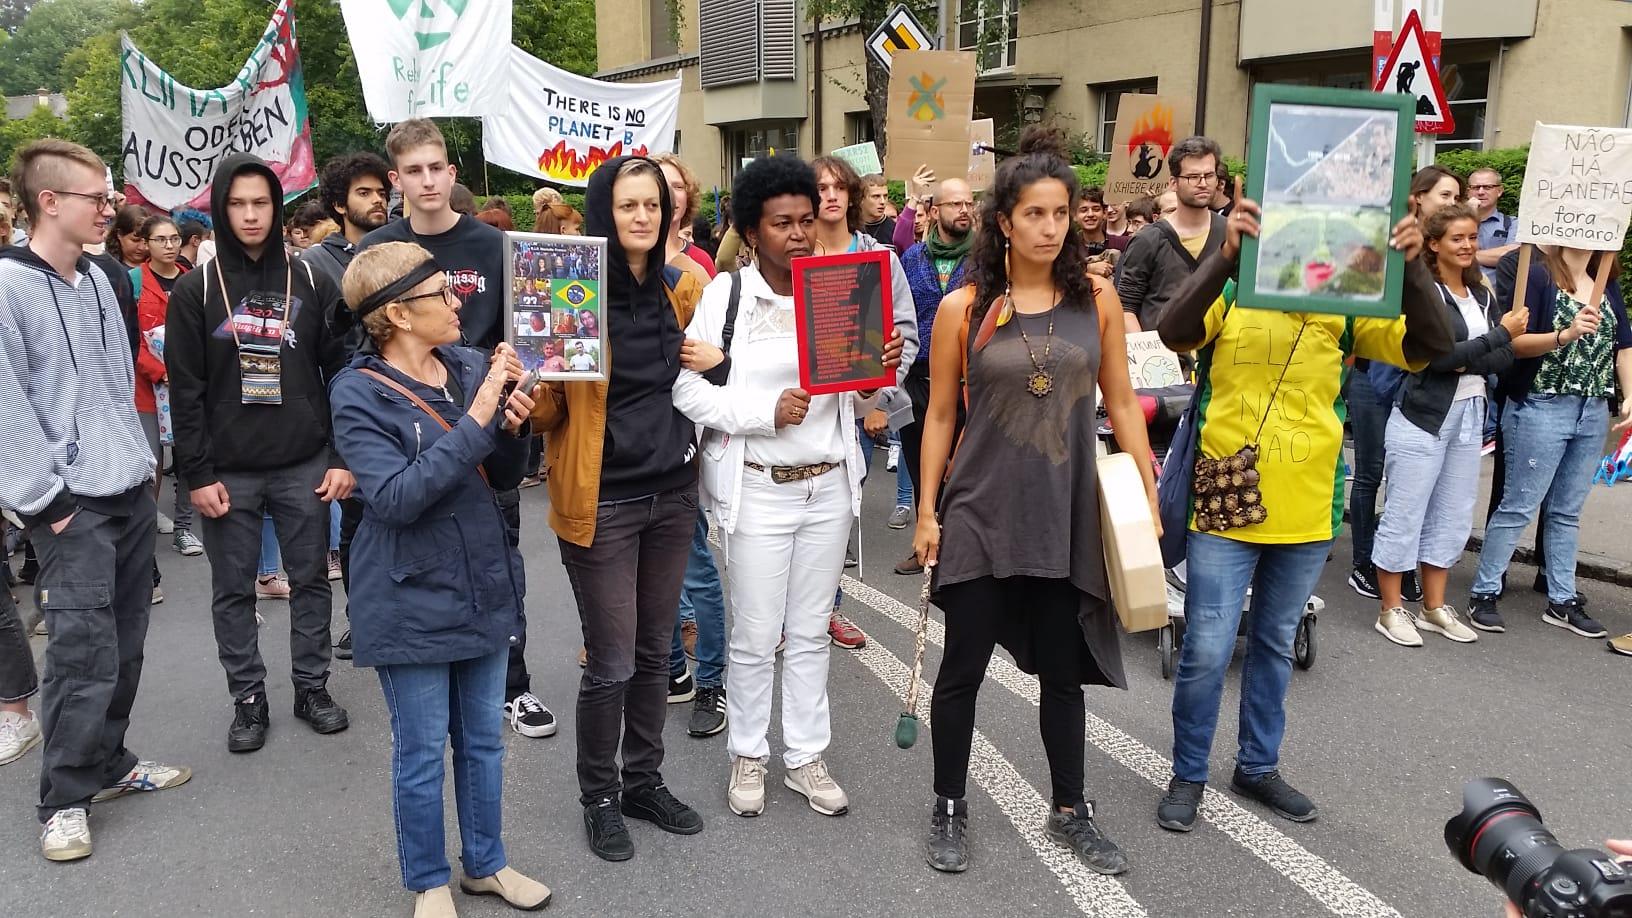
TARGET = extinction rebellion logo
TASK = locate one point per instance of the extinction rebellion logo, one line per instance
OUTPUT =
(434, 19)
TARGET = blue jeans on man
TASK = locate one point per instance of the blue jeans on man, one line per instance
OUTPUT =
(1220, 570)
(1368, 421)
(702, 600)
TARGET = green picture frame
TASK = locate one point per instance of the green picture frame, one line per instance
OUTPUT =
(1331, 169)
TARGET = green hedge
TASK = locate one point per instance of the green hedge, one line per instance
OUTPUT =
(521, 207)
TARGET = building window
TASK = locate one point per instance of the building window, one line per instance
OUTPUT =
(1110, 98)
(992, 29)
(753, 140)
(859, 128)
(1467, 87)
(664, 41)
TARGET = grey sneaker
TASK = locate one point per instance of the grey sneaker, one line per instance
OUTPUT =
(948, 848)
(187, 544)
(746, 792)
(900, 517)
(67, 835)
(1076, 830)
(824, 794)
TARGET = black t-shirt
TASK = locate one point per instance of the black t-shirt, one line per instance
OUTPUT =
(472, 254)
(166, 284)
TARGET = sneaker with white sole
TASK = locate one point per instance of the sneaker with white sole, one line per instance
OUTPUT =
(1363, 580)
(18, 734)
(67, 835)
(187, 544)
(1444, 620)
(145, 778)
(892, 458)
(274, 587)
(1397, 625)
(529, 717)
(1572, 616)
(746, 792)
(166, 525)
(818, 787)
(900, 517)
(158, 595)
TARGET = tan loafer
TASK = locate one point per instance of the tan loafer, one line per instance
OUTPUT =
(435, 903)
(521, 892)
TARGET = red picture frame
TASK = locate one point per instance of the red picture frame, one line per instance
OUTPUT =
(844, 314)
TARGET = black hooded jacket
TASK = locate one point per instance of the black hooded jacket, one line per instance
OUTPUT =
(215, 431)
(649, 443)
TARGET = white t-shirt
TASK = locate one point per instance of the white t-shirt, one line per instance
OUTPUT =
(765, 356)
(582, 362)
(1471, 385)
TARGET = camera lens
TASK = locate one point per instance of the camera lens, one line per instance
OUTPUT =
(1500, 834)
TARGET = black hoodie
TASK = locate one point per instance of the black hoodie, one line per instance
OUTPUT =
(648, 441)
(215, 430)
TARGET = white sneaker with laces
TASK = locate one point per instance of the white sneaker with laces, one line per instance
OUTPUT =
(823, 793)
(67, 836)
(166, 525)
(893, 457)
(18, 734)
(1399, 626)
(529, 717)
(145, 777)
(746, 792)
(1444, 620)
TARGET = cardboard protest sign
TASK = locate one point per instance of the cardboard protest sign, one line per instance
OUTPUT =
(1151, 365)
(982, 161)
(1577, 187)
(561, 126)
(932, 95)
(175, 135)
(430, 58)
(1147, 126)
(862, 157)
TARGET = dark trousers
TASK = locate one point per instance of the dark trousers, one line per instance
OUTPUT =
(627, 583)
(351, 516)
(973, 623)
(17, 677)
(1368, 421)
(96, 586)
(517, 680)
(233, 543)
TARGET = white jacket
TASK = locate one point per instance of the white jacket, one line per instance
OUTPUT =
(728, 413)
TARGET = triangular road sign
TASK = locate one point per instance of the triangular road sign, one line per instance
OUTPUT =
(1410, 71)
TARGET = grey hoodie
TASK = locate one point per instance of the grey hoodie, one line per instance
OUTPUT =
(894, 401)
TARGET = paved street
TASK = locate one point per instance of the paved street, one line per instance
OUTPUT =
(1382, 737)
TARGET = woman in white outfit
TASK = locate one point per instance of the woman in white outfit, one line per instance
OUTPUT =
(782, 472)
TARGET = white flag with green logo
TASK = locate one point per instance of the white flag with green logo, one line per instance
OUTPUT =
(430, 58)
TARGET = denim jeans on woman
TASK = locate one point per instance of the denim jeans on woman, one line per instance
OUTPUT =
(1553, 444)
(1220, 570)
(702, 600)
(1368, 422)
(431, 703)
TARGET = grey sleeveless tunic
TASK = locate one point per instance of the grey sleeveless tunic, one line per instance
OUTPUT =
(1023, 497)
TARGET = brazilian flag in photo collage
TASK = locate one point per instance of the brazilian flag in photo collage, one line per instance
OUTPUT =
(575, 294)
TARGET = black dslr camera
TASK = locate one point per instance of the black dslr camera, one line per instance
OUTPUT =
(1499, 835)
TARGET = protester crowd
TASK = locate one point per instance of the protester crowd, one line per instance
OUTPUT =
(334, 396)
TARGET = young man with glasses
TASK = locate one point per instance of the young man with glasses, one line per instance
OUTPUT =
(1164, 256)
(79, 473)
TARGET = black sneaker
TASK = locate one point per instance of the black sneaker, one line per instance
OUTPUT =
(529, 717)
(1076, 830)
(1177, 811)
(1363, 580)
(1272, 791)
(660, 808)
(682, 688)
(249, 722)
(317, 707)
(1572, 616)
(1482, 614)
(948, 848)
(342, 647)
(708, 713)
(1411, 587)
(608, 836)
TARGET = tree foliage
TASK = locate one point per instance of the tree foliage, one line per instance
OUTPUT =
(12, 14)
(37, 53)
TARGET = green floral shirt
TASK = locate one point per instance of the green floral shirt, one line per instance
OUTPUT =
(1585, 367)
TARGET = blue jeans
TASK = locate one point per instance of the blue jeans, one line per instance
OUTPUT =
(1368, 421)
(1552, 445)
(702, 600)
(431, 703)
(270, 559)
(334, 525)
(903, 479)
(1220, 569)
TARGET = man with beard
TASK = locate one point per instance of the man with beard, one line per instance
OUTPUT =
(1164, 256)
(933, 268)
(354, 188)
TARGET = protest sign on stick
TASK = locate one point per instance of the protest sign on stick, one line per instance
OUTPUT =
(982, 159)
(931, 99)
(862, 157)
(1577, 192)
(1147, 126)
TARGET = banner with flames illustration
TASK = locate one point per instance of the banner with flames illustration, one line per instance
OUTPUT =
(1147, 127)
(561, 126)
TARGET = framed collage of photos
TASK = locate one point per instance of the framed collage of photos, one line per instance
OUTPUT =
(1331, 169)
(553, 314)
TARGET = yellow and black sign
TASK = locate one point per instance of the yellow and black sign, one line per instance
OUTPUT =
(900, 31)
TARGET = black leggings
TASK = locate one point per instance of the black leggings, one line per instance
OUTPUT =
(975, 616)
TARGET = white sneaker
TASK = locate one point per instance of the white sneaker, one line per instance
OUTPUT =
(746, 793)
(18, 734)
(824, 794)
(166, 525)
(67, 836)
(1397, 625)
(1444, 620)
(145, 777)
(893, 458)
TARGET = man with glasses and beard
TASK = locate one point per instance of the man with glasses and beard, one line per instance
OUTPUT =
(1165, 255)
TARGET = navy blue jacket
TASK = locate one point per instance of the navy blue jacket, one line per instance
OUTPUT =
(927, 291)
(434, 578)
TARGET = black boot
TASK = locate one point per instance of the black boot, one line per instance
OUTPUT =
(249, 723)
(317, 708)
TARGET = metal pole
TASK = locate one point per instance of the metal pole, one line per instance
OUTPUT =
(1204, 57)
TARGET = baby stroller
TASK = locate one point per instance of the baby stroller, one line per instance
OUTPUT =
(1163, 408)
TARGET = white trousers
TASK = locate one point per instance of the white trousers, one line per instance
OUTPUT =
(786, 558)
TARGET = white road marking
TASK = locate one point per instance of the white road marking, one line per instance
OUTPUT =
(1319, 879)
(1096, 896)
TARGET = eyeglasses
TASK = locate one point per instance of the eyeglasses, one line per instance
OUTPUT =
(446, 294)
(100, 199)
(1199, 178)
(164, 240)
(1483, 187)
(956, 205)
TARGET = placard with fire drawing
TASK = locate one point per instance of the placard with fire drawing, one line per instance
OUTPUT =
(560, 126)
(1147, 126)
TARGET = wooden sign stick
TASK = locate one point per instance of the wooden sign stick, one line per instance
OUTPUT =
(1600, 278)
(1521, 280)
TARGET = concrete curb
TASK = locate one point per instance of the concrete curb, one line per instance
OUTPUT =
(1591, 566)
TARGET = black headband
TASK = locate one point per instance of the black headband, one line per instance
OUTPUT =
(394, 291)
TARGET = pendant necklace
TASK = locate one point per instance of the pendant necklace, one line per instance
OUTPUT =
(1041, 381)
